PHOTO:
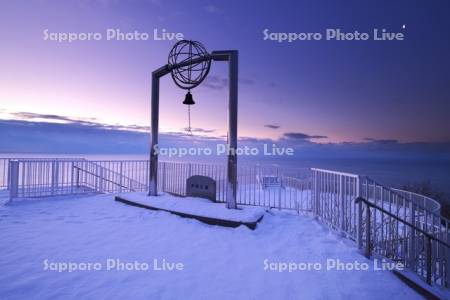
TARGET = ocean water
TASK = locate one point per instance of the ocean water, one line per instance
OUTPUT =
(392, 172)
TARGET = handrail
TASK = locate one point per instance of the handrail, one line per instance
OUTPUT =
(96, 164)
(105, 179)
(397, 192)
(428, 245)
(336, 172)
(370, 204)
(428, 199)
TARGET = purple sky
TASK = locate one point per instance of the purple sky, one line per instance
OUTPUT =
(343, 91)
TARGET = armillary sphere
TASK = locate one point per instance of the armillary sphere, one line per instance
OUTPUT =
(189, 68)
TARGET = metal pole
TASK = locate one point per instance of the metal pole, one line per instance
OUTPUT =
(341, 203)
(316, 192)
(55, 176)
(232, 129)
(368, 248)
(412, 235)
(13, 179)
(359, 224)
(359, 214)
(154, 144)
(429, 259)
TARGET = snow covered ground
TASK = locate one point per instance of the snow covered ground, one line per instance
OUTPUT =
(213, 262)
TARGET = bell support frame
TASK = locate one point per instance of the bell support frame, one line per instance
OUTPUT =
(226, 55)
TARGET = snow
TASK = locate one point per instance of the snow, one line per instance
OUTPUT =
(197, 206)
(218, 262)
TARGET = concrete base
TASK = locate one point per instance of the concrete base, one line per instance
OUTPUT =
(196, 208)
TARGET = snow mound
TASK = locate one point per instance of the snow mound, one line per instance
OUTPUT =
(196, 207)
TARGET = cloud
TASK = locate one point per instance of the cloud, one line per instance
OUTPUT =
(247, 81)
(92, 122)
(200, 130)
(218, 83)
(272, 126)
(215, 82)
(302, 136)
(212, 8)
(77, 137)
(253, 140)
(45, 133)
(50, 137)
(381, 141)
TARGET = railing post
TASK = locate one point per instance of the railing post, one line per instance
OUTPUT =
(280, 176)
(316, 193)
(368, 251)
(447, 283)
(55, 176)
(429, 258)
(359, 215)
(412, 235)
(13, 178)
(77, 177)
(341, 204)
(121, 177)
(164, 177)
(7, 174)
(101, 180)
(72, 176)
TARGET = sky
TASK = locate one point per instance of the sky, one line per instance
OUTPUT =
(324, 94)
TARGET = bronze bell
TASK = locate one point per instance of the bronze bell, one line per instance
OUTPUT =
(188, 100)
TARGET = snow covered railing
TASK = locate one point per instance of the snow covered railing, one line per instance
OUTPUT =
(292, 193)
(27, 178)
(397, 228)
(112, 176)
(381, 231)
(4, 166)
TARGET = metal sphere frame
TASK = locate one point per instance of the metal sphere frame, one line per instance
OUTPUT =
(192, 74)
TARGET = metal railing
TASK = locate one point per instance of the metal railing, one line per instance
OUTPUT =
(293, 193)
(400, 226)
(4, 165)
(385, 233)
(27, 178)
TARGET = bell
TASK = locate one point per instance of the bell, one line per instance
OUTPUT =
(188, 100)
